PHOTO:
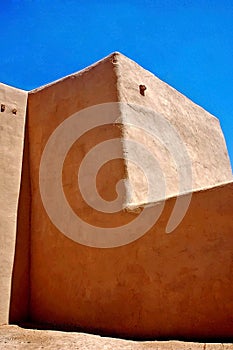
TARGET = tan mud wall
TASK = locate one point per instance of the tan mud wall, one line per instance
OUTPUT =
(20, 289)
(162, 285)
(12, 123)
(159, 286)
(47, 108)
(199, 131)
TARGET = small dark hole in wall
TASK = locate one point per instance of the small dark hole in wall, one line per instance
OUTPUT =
(3, 107)
(142, 89)
(14, 111)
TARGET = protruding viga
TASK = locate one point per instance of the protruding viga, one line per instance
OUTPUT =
(199, 132)
(11, 156)
(164, 285)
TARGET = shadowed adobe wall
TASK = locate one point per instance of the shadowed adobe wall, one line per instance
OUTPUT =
(158, 286)
(162, 285)
(20, 289)
(176, 285)
(12, 122)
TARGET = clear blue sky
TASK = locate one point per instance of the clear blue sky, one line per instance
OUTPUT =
(188, 44)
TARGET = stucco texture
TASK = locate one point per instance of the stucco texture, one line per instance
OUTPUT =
(176, 285)
(198, 130)
(12, 123)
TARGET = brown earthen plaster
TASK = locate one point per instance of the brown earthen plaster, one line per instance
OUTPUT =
(176, 285)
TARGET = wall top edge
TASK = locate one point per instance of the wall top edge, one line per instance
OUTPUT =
(216, 186)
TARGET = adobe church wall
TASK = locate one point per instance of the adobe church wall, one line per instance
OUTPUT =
(199, 131)
(47, 109)
(20, 288)
(158, 286)
(176, 285)
(12, 123)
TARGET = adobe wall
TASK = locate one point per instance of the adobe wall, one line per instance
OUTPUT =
(158, 286)
(47, 109)
(20, 287)
(12, 123)
(199, 131)
(176, 285)
(161, 285)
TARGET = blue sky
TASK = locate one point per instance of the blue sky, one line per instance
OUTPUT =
(188, 44)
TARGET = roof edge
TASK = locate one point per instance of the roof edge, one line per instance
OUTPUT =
(135, 206)
(82, 71)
